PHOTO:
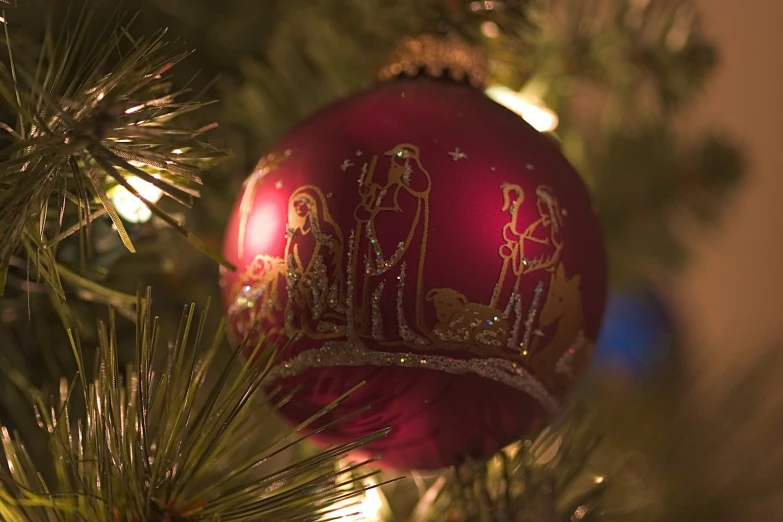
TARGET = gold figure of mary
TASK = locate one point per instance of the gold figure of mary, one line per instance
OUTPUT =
(314, 266)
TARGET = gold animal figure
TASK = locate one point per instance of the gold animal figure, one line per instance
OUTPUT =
(257, 295)
(480, 328)
(259, 288)
(563, 305)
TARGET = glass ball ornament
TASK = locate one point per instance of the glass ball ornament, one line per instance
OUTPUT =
(639, 336)
(422, 239)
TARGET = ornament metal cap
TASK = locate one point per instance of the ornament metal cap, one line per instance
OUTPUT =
(436, 56)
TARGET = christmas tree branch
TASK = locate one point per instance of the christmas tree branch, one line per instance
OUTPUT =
(550, 479)
(320, 50)
(92, 112)
(184, 443)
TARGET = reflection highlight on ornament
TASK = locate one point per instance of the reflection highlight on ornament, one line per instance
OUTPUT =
(128, 206)
(532, 110)
(265, 226)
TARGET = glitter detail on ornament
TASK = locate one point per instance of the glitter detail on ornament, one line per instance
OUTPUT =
(256, 294)
(345, 353)
(404, 330)
(319, 288)
(514, 339)
(380, 265)
(457, 154)
(359, 154)
(279, 184)
(318, 234)
(245, 299)
(407, 170)
(363, 175)
(292, 274)
(347, 164)
(531, 317)
(377, 320)
(349, 278)
(381, 195)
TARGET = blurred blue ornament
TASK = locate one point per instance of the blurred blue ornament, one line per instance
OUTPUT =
(637, 336)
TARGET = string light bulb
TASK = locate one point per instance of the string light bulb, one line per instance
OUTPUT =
(490, 29)
(532, 110)
(366, 507)
(128, 206)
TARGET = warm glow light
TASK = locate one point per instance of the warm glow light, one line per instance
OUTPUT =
(128, 206)
(532, 110)
(490, 29)
(363, 508)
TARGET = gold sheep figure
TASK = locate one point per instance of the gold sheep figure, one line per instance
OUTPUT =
(482, 328)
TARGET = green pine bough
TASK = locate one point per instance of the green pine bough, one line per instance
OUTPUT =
(94, 107)
(181, 434)
(186, 441)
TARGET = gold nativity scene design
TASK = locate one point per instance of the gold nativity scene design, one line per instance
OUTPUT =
(339, 281)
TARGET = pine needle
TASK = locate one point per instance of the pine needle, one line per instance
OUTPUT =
(549, 479)
(173, 445)
(92, 112)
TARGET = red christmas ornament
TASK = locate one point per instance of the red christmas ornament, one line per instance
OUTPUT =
(424, 239)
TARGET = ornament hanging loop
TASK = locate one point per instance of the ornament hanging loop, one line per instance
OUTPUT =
(437, 56)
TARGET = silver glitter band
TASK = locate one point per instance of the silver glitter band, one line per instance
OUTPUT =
(345, 353)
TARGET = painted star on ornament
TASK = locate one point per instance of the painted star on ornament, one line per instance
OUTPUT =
(279, 184)
(347, 164)
(457, 154)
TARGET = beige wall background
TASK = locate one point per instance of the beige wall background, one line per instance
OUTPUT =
(731, 296)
